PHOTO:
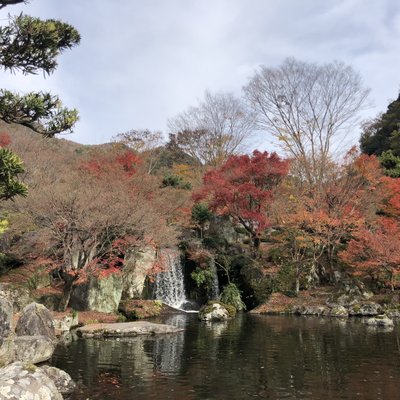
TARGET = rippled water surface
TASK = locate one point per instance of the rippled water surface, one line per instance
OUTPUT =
(263, 357)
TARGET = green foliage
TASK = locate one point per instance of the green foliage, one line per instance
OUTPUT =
(382, 134)
(176, 182)
(10, 168)
(201, 213)
(29, 44)
(391, 163)
(40, 112)
(231, 295)
(202, 277)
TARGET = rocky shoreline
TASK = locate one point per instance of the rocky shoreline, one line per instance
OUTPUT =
(322, 304)
(28, 340)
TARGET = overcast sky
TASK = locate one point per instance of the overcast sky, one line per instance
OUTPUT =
(143, 61)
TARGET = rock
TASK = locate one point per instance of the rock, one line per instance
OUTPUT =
(20, 381)
(337, 311)
(125, 329)
(62, 381)
(6, 315)
(380, 320)
(214, 311)
(393, 313)
(33, 349)
(17, 295)
(64, 323)
(35, 320)
(136, 269)
(365, 309)
(139, 309)
(7, 351)
(98, 293)
(309, 310)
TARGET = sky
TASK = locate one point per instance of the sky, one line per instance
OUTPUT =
(141, 62)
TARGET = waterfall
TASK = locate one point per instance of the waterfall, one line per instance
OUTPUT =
(170, 285)
(214, 292)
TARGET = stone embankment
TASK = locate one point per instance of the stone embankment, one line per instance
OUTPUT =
(328, 304)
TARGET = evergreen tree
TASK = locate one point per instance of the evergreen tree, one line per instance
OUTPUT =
(31, 45)
(381, 137)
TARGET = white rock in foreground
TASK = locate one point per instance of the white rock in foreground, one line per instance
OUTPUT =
(125, 329)
(23, 381)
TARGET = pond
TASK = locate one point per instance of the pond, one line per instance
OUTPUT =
(265, 357)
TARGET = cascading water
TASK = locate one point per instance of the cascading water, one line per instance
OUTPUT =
(170, 285)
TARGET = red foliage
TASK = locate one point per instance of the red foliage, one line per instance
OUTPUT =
(121, 164)
(376, 250)
(5, 139)
(242, 188)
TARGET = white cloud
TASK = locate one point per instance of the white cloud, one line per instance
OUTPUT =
(141, 62)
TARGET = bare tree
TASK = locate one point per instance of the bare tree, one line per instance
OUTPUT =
(307, 107)
(213, 130)
(145, 142)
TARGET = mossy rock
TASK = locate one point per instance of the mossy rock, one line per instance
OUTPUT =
(207, 312)
(140, 309)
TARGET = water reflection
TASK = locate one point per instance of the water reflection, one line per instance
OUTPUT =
(249, 357)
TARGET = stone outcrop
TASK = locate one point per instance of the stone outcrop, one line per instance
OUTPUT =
(33, 349)
(125, 329)
(25, 381)
(36, 320)
(18, 296)
(64, 323)
(365, 309)
(6, 315)
(62, 381)
(136, 269)
(98, 293)
(215, 311)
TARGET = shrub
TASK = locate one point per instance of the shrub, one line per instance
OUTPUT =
(231, 295)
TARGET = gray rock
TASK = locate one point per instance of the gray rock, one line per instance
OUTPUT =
(309, 310)
(101, 294)
(365, 309)
(337, 311)
(18, 296)
(33, 349)
(6, 315)
(65, 323)
(125, 329)
(20, 381)
(63, 382)
(380, 320)
(135, 271)
(214, 312)
(7, 350)
(36, 320)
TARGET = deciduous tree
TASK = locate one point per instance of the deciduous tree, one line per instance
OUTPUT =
(213, 130)
(242, 188)
(309, 109)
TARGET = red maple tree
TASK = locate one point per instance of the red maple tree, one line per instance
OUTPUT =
(242, 188)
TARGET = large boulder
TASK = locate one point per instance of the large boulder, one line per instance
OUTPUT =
(18, 296)
(63, 382)
(6, 316)
(25, 381)
(33, 349)
(216, 311)
(337, 311)
(36, 320)
(365, 309)
(7, 351)
(98, 293)
(136, 269)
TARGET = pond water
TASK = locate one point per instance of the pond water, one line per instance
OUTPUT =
(265, 357)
